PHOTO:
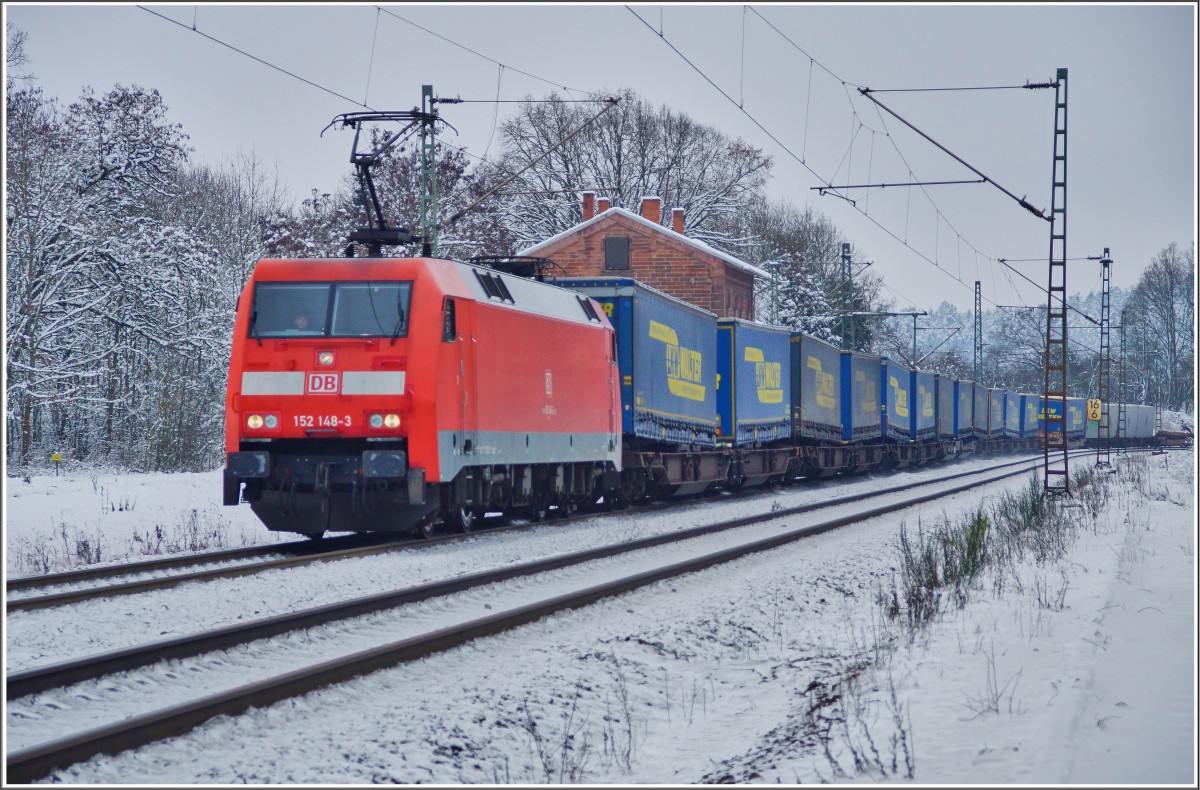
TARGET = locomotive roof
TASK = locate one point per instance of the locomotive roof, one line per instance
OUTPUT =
(515, 293)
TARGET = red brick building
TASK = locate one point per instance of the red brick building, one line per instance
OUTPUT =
(613, 242)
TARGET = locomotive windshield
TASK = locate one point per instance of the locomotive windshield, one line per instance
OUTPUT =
(342, 309)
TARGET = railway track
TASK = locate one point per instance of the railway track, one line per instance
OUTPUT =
(630, 565)
(294, 554)
(298, 548)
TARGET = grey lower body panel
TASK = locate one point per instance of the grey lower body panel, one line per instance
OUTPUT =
(457, 450)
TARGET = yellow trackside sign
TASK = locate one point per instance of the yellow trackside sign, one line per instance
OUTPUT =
(825, 384)
(1093, 409)
(684, 365)
(768, 376)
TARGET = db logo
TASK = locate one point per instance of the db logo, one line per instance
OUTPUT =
(322, 383)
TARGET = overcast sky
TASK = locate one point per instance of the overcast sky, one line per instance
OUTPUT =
(1131, 105)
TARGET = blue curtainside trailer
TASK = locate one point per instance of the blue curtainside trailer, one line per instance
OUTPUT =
(816, 390)
(980, 411)
(964, 403)
(895, 394)
(945, 397)
(860, 396)
(754, 399)
(666, 357)
(995, 412)
(923, 391)
(1012, 414)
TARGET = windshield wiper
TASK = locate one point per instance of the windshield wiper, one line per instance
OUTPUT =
(254, 325)
(399, 321)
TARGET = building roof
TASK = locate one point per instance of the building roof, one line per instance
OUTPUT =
(699, 245)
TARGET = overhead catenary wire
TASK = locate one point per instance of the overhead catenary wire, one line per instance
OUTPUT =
(784, 147)
(280, 69)
(845, 82)
(485, 57)
(371, 60)
(813, 62)
(612, 102)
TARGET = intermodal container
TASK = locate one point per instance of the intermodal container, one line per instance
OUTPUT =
(923, 405)
(860, 396)
(816, 391)
(895, 395)
(754, 400)
(666, 357)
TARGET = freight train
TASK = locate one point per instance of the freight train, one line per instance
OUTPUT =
(397, 394)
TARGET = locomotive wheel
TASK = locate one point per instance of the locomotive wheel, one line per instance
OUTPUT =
(462, 518)
(424, 529)
(539, 512)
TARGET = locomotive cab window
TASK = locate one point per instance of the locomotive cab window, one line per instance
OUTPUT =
(344, 309)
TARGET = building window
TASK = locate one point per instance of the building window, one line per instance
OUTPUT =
(616, 252)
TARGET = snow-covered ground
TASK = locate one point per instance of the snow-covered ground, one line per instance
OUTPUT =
(728, 674)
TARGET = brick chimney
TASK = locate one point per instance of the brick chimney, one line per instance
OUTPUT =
(602, 205)
(651, 209)
(677, 220)
(589, 205)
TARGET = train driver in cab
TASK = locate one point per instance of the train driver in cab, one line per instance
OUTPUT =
(301, 325)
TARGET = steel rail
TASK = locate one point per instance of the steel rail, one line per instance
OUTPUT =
(32, 681)
(35, 762)
(296, 547)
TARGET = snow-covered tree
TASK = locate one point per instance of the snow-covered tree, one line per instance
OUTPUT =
(632, 151)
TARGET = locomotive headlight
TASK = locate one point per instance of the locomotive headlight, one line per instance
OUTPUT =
(392, 421)
(376, 420)
(325, 358)
(271, 421)
(254, 421)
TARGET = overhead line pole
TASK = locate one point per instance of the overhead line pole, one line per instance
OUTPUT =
(978, 331)
(1056, 477)
(1103, 429)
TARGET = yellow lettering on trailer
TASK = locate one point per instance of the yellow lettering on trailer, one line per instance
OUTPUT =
(825, 384)
(684, 365)
(768, 376)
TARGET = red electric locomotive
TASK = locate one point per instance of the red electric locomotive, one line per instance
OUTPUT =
(385, 394)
